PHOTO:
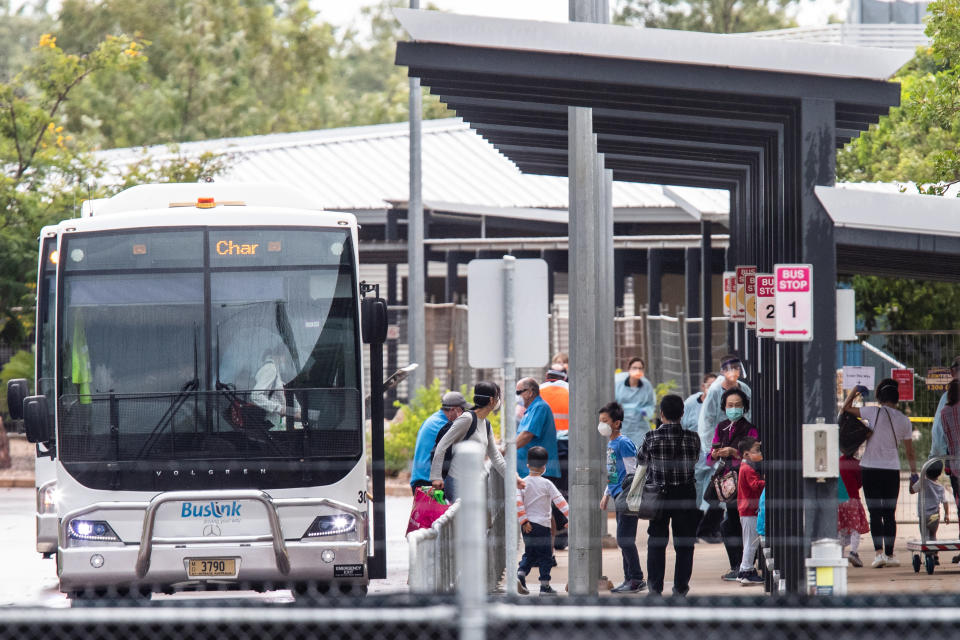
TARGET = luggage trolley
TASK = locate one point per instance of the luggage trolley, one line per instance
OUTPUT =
(929, 548)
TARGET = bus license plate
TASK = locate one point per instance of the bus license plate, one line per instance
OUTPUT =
(211, 567)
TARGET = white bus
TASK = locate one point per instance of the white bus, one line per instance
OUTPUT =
(207, 416)
(44, 468)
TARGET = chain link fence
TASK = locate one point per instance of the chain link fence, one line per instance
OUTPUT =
(670, 347)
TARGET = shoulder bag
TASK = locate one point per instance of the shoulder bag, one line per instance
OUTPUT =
(852, 432)
(724, 482)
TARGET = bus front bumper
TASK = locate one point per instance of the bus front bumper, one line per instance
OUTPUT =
(255, 564)
(48, 526)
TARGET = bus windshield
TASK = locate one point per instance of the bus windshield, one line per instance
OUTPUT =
(209, 344)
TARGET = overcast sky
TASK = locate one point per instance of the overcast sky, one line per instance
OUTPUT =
(345, 12)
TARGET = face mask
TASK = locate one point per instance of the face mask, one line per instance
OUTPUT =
(734, 413)
(604, 429)
(496, 405)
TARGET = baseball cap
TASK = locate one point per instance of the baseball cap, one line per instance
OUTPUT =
(453, 399)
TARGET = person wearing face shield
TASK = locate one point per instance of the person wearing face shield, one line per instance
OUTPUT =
(486, 400)
(711, 413)
(636, 394)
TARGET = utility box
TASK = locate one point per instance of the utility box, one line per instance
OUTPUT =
(826, 569)
(821, 450)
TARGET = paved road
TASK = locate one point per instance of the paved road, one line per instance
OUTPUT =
(31, 580)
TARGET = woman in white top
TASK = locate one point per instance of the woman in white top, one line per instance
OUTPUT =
(486, 400)
(880, 465)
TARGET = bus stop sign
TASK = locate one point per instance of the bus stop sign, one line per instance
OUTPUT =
(793, 302)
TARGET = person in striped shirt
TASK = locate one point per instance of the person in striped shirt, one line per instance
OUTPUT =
(533, 511)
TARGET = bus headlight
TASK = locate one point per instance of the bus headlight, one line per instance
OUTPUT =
(47, 500)
(91, 531)
(331, 525)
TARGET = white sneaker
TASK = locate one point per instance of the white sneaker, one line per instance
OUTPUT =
(879, 561)
(892, 561)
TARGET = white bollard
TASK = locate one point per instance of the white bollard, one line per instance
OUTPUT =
(471, 542)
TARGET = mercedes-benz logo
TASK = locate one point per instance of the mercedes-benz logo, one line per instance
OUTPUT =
(211, 530)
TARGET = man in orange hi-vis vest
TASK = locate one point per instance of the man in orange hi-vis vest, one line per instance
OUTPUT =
(555, 391)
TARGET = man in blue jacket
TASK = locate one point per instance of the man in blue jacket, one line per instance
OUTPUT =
(452, 405)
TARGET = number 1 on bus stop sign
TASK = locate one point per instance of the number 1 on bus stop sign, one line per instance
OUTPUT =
(793, 301)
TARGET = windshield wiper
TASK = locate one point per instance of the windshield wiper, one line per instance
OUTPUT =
(167, 418)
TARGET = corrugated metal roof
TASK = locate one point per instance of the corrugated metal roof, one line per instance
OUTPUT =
(366, 168)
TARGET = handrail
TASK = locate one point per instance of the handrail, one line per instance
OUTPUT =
(433, 565)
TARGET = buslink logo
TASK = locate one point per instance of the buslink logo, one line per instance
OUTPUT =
(210, 510)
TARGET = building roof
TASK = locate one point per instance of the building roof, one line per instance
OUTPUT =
(366, 169)
(651, 45)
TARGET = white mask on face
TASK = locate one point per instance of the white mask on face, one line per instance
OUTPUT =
(604, 429)
(496, 405)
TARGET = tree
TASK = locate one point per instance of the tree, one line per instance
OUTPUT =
(893, 304)
(715, 16)
(918, 141)
(227, 68)
(42, 168)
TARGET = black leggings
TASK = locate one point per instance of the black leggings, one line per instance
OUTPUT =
(881, 488)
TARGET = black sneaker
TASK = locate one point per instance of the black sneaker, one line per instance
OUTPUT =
(750, 578)
(711, 539)
(522, 584)
(731, 576)
(630, 586)
(547, 590)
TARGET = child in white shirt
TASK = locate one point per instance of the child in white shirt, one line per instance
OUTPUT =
(533, 510)
(933, 496)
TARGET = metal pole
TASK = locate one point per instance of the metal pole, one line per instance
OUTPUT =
(416, 297)
(510, 424)
(378, 563)
(471, 544)
(586, 251)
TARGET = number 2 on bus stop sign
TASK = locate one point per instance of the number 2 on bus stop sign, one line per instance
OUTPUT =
(793, 301)
(766, 320)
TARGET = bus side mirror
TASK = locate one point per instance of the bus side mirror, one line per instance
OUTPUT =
(373, 320)
(17, 390)
(36, 419)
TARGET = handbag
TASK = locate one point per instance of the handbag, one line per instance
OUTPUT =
(426, 509)
(724, 483)
(631, 488)
(652, 498)
(852, 433)
(245, 415)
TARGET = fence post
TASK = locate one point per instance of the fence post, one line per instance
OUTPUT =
(471, 546)
(684, 355)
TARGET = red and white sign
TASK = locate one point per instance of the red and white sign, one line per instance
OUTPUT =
(904, 378)
(793, 300)
(766, 318)
(739, 306)
(729, 292)
(750, 289)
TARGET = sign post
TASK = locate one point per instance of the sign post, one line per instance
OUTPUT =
(750, 289)
(729, 292)
(500, 293)
(766, 307)
(793, 300)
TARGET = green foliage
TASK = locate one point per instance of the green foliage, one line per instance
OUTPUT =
(918, 142)
(662, 389)
(227, 68)
(19, 366)
(715, 16)
(44, 165)
(400, 442)
(890, 304)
